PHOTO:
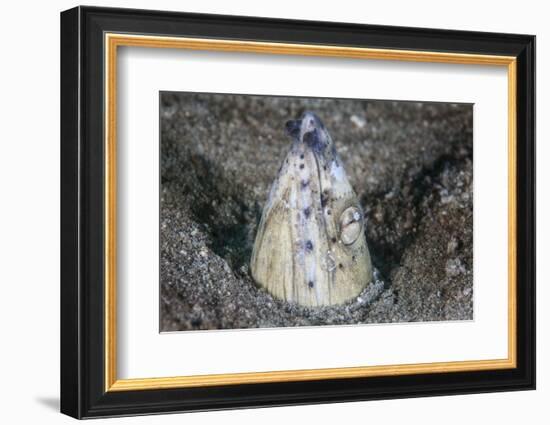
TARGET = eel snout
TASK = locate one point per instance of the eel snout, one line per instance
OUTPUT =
(310, 131)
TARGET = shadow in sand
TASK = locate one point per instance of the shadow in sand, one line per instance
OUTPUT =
(217, 203)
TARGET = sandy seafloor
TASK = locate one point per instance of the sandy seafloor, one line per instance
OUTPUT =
(409, 163)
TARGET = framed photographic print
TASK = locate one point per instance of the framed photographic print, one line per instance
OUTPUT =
(261, 212)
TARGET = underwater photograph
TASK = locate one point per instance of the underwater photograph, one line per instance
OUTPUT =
(292, 211)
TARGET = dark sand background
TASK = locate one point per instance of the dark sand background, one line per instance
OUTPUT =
(410, 164)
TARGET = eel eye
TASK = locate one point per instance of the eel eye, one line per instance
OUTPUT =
(351, 224)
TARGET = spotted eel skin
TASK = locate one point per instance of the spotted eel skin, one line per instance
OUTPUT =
(310, 246)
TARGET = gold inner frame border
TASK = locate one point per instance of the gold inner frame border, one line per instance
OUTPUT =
(111, 43)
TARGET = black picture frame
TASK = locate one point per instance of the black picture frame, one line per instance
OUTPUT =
(83, 392)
